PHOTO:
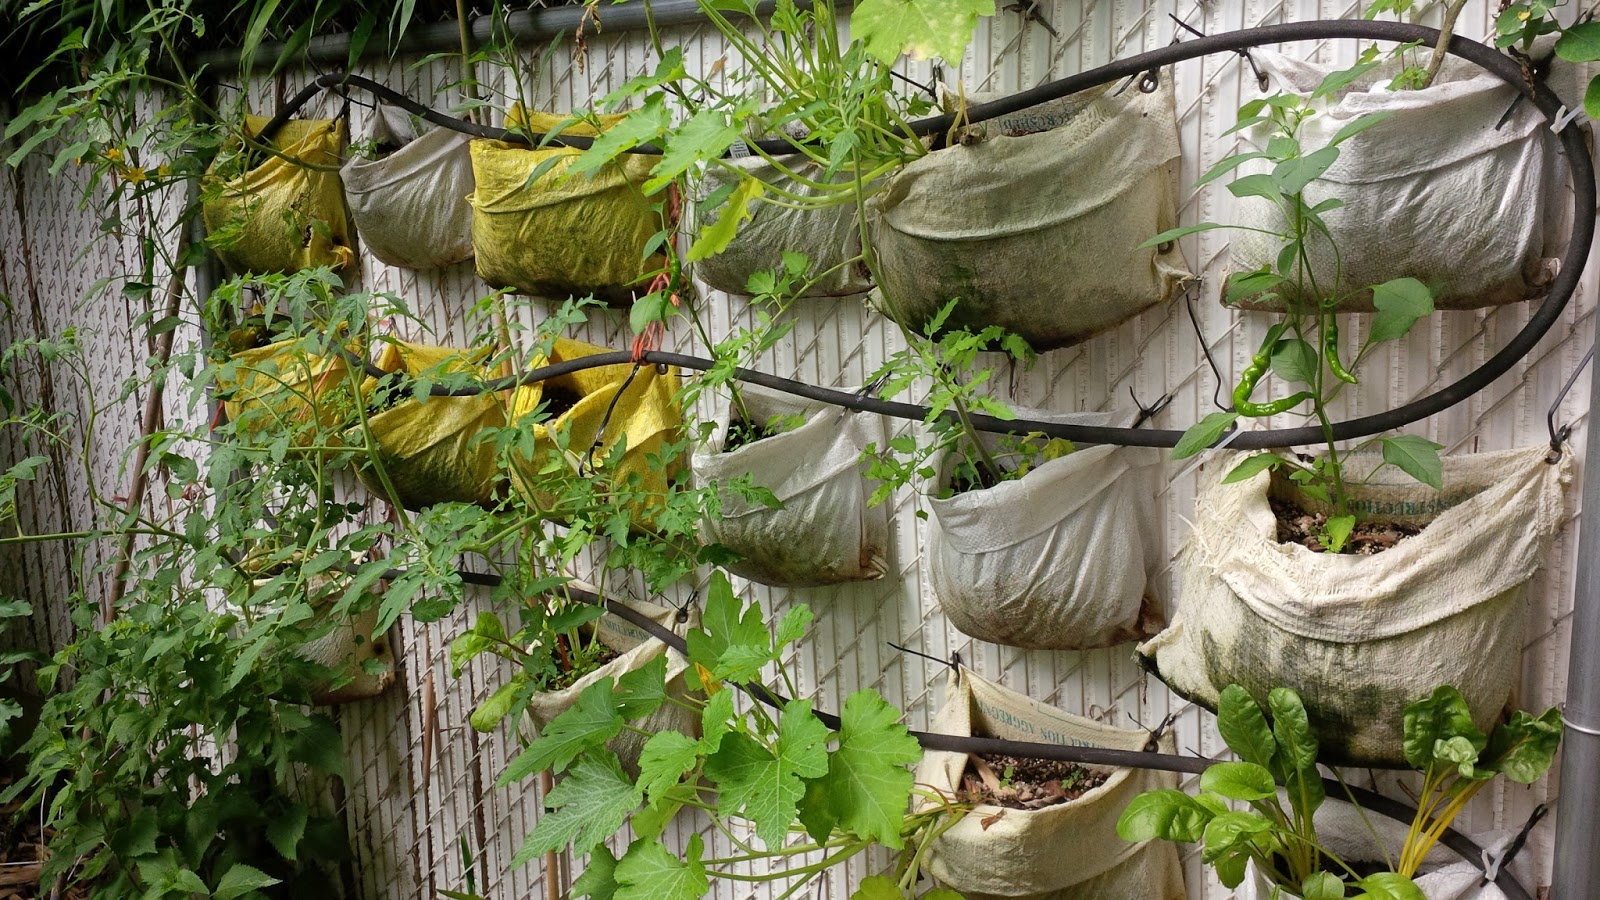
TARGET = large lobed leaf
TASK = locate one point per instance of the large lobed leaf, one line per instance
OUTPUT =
(765, 784)
(868, 783)
(588, 806)
(921, 28)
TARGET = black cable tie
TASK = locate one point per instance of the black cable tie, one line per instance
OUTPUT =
(1147, 413)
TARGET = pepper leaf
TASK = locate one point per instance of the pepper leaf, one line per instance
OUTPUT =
(1417, 457)
(1203, 434)
(1400, 303)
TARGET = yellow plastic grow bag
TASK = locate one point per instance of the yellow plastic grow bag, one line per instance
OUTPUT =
(279, 216)
(645, 417)
(431, 450)
(283, 386)
(556, 236)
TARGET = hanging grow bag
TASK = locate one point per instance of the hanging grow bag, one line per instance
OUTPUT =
(281, 216)
(828, 237)
(824, 532)
(1069, 851)
(1435, 192)
(285, 386)
(411, 205)
(1361, 637)
(363, 663)
(1059, 559)
(1038, 233)
(637, 649)
(557, 236)
(601, 409)
(433, 450)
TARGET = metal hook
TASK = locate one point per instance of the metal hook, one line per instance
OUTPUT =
(865, 391)
(1205, 348)
(1261, 77)
(1558, 436)
(587, 468)
(1154, 743)
(1146, 413)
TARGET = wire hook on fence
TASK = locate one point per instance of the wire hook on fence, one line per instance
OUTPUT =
(1558, 436)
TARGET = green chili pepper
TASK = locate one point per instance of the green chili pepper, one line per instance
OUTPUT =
(1330, 351)
(1252, 376)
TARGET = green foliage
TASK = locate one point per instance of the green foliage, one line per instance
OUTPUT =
(781, 774)
(1277, 782)
(921, 28)
(1457, 760)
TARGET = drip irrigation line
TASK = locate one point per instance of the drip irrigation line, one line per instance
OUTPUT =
(1093, 756)
(1572, 261)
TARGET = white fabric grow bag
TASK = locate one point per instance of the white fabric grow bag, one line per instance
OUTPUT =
(824, 533)
(1038, 233)
(827, 237)
(347, 648)
(1361, 637)
(1069, 851)
(1434, 193)
(638, 649)
(1059, 559)
(410, 207)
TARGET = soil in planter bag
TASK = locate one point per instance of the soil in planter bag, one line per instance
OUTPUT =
(279, 216)
(637, 648)
(1058, 559)
(284, 386)
(1038, 233)
(1361, 637)
(1435, 192)
(824, 533)
(1069, 851)
(643, 418)
(827, 237)
(561, 236)
(411, 205)
(431, 449)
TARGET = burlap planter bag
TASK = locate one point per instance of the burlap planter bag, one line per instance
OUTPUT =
(1038, 233)
(281, 216)
(1437, 192)
(411, 205)
(825, 532)
(828, 237)
(1069, 851)
(433, 451)
(1361, 637)
(638, 649)
(1059, 559)
(556, 236)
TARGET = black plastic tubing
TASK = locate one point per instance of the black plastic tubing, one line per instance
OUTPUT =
(1573, 258)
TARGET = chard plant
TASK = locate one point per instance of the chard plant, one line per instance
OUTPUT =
(1278, 785)
(1302, 349)
(776, 776)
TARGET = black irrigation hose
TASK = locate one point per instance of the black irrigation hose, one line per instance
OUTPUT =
(1573, 258)
(1094, 756)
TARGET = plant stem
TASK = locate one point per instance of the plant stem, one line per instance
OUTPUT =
(1446, 31)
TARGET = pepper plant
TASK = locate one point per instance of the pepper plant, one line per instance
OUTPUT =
(1303, 349)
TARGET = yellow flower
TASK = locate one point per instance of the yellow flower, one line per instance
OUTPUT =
(114, 154)
(134, 174)
(163, 170)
